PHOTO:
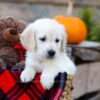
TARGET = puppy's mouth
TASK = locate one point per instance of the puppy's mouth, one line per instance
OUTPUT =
(49, 57)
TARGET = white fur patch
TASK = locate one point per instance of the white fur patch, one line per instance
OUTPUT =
(38, 38)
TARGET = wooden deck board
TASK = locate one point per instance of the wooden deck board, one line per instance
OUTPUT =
(87, 79)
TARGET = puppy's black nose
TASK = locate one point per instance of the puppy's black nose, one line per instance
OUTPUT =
(51, 53)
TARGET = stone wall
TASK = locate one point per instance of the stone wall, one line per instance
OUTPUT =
(29, 10)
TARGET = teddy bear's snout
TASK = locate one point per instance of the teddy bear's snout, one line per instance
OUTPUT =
(11, 35)
(13, 31)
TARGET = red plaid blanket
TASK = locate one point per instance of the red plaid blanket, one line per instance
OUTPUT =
(12, 89)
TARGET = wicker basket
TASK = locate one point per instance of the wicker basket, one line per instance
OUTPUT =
(66, 95)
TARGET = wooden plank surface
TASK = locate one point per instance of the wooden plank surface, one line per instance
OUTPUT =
(87, 79)
(80, 81)
(94, 77)
(87, 44)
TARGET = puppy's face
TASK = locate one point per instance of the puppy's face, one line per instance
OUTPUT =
(46, 38)
(48, 44)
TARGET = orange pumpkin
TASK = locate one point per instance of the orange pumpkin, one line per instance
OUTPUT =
(75, 28)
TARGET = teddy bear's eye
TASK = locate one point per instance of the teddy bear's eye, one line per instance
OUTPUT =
(43, 39)
(57, 40)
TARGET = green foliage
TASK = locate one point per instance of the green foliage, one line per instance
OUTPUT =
(95, 34)
(93, 28)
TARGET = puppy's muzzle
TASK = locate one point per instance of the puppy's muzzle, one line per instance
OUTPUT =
(51, 53)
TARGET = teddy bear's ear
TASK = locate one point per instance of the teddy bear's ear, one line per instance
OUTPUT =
(21, 26)
(27, 38)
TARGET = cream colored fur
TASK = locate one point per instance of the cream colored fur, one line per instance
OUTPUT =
(37, 59)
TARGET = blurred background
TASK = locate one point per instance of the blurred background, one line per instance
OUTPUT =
(29, 10)
(87, 55)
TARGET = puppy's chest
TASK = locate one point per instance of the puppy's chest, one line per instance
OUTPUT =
(39, 66)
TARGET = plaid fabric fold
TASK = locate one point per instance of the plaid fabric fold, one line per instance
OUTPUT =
(12, 89)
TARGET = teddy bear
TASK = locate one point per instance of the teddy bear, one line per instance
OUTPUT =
(11, 51)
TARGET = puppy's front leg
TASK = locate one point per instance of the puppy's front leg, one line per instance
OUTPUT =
(28, 74)
(48, 76)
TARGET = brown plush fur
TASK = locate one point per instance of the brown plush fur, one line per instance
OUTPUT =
(10, 28)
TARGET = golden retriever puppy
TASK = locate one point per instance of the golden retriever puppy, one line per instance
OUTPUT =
(45, 41)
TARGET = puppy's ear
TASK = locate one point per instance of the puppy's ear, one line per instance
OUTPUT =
(27, 38)
(64, 41)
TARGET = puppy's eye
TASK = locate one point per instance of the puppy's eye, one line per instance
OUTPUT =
(43, 39)
(57, 40)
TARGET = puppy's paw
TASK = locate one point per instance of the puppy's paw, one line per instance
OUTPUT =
(47, 81)
(27, 75)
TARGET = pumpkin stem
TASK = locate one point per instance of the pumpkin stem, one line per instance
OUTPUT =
(70, 7)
